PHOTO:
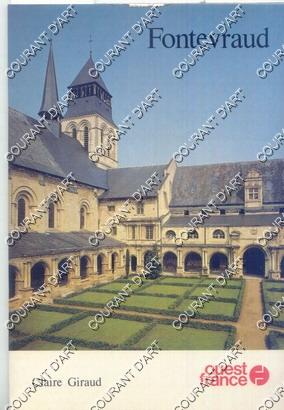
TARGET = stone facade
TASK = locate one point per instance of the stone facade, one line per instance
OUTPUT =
(156, 220)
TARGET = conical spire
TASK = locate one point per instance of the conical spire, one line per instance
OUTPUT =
(50, 92)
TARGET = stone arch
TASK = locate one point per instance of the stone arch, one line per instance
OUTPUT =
(85, 265)
(101, 264)
(13, 274)
(71, 126)
(114, 261)
(170, 262)
(218, 262)
(28, 192)
(84, 211)
(84, 123)
(24, 199)
(133, 263)
(63, 271)
(81, 135)
(254, 261)
(193, 262)
(38, 273)
(218, 234)
(282, 268)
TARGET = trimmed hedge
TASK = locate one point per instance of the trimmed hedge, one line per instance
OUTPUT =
(231, 340)
(18, 344)
(136, 337)
(239, 302)
(266, 306)
(61, 309)
(80, 342)
(127, 345)
(271, 340)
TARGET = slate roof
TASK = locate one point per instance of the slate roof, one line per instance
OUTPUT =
(84, 77)
(197, 185)
(37, 244)
(123, 182)
(91, 104)
(225, 220)
(52, 155)
(50, 92)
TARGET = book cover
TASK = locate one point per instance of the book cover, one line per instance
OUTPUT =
(146, 206)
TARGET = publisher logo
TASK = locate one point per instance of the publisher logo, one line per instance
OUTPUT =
(238, 375)
(259, 375)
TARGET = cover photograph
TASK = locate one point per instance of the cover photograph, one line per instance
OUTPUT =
(145, 179)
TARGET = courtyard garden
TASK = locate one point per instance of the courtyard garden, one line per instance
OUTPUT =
(145, 315)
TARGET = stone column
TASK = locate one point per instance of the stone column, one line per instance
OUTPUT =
(93, 275)
(241, 267)
(75, 277)
(26, 291)
(139, 260)
(53, 284)
(205, 267)
(274, 272)
(180, 270)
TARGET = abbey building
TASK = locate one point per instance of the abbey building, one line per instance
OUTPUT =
(102, 188)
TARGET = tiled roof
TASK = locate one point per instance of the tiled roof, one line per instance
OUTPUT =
(91, 104)
(50, 92)
(36, 244)
(123, 182)
(197, 185)
(84, 77)
(225, 220)
(52, 155)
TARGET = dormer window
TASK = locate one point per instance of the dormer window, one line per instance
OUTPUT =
(253, 193)
(253, 189)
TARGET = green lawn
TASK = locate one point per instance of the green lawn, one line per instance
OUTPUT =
(220, 292)
(271, 296)
(276, 285)
(234, 283)
(152, 302)
(118, 286)
(39, 344)
(113, 331)
(187, 339)
(115, 286)
(184, 281)
(166, 290)
(38, 321)
(210, 308)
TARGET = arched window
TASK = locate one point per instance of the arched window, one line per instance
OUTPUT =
(193, 234)
(74, 132)
(21, 210)
(218, 234)
(170, 234)
(86, 138)
(51, 214)
(82, 217)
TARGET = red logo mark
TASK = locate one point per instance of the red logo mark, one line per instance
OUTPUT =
(259, 375)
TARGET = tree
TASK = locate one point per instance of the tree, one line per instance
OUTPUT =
(153, 253)
(127, 263)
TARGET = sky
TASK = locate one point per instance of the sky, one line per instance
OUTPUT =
(186, 103)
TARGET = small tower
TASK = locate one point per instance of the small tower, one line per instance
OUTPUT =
(89, 118)
(50, 95)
